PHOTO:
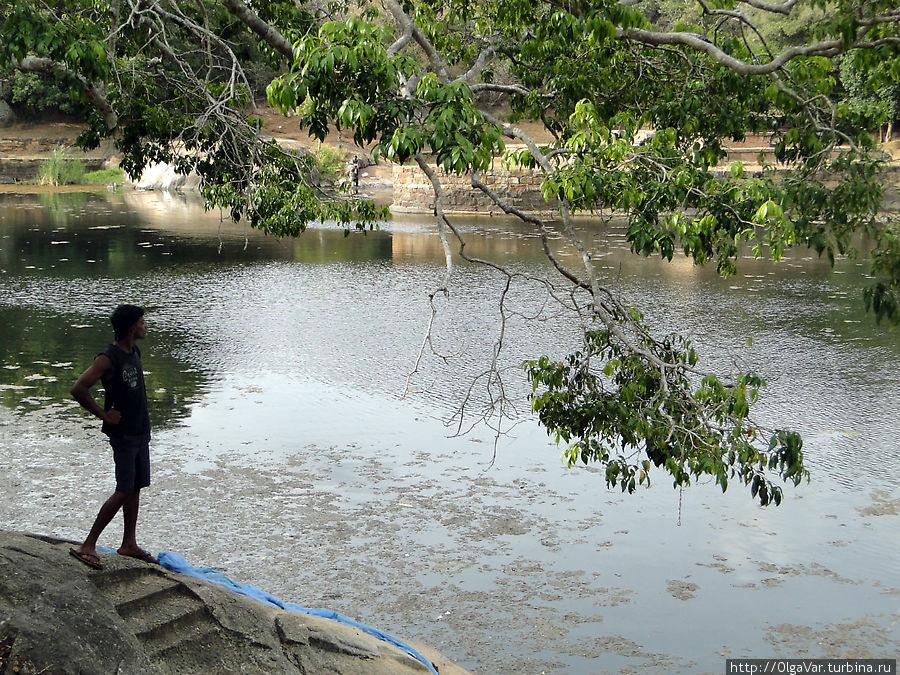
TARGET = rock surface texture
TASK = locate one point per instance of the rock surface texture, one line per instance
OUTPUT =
(7, 116)
(59, 616)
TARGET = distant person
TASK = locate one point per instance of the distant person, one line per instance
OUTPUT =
(354, 173)
(127, 423)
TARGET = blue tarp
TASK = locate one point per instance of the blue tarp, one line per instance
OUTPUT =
(177, 563)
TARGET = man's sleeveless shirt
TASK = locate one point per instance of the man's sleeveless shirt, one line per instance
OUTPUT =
(126, 392)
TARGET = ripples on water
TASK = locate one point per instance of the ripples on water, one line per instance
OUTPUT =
(353, 314)
(273, 345)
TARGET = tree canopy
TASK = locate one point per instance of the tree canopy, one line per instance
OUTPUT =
(640, 101)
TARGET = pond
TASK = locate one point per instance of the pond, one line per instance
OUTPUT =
(287, 455)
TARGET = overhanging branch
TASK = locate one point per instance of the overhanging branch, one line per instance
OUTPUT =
(267, 32)
(95, 94)
(827, 48)
(783, 8)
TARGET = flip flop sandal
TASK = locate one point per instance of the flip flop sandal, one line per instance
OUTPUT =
(88, 559)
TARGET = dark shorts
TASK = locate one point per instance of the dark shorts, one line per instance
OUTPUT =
(132, 457)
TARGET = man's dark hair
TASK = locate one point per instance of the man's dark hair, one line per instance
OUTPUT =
(124, 317)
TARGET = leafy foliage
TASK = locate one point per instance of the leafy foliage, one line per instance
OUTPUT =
(611, 405)
(330, 161)
(39, 94)
(881, 297)
(104, 176)
(872, 89)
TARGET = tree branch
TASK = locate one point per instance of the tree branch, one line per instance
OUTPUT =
(403, 40)
(784, 8)
(534, 220)
(268, 33)
(95, 94)
(434, 58)
(502, 88)
(478, 65)
(439, 214)
(699, 43)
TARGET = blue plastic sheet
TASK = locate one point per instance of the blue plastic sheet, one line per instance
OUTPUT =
(177, 563)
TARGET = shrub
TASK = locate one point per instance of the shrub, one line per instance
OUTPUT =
(40, 93)
(104, 177)
(60, 169)
(330, 162)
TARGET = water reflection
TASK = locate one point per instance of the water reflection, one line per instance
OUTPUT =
(226, 298)
(44, 351)
(277, 364)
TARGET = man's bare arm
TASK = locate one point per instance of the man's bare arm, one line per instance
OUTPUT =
(81, 390)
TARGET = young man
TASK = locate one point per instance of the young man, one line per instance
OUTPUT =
(354, 173)
(127, 423)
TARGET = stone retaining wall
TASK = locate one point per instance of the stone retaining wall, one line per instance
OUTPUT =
(37, 145)
(413, 192)
(22, 169)
(892, 188)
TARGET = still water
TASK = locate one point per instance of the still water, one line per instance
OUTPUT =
(286, 455)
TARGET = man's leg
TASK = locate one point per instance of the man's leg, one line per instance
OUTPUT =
(107, 512)
(129, 546)
(130, 508)
(132, 455)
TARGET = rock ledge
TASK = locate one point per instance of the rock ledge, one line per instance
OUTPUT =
(59, 616)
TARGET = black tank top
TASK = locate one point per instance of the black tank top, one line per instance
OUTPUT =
(126, 392)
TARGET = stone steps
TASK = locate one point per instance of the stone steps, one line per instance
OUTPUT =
(196, 652)
(188, 631)
(165, 616)
(125, 584)
(151, 614)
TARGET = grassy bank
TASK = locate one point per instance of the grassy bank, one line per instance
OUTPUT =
(60, 168)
